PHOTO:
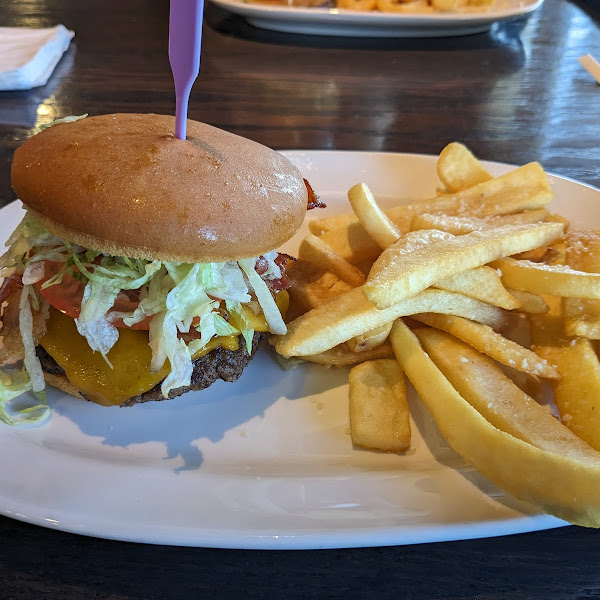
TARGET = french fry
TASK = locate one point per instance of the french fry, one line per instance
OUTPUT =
(353, 243)
(351, 314)
(372, 218)
(577, 394)
(481, 382)
(365, 267)
(535, 255)
(311, 287)
(321, 226)
(370, 339)
(379, 416)
(496, 346)
(448, 223)
(398, 274)
(582, 316)
(342, 356)
(445, 5)
(547, 329)
(404, 6)
(481, 283)
(362, 5)
(556, 280)
(524, 188)
(556, 218)
(528, 384)
(315, 251)
(461, 225)
(556, 253)
(400, 215)
(524, 470)
(529, 303)
(458, 169)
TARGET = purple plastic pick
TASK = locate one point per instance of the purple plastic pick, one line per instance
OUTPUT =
(185, 34)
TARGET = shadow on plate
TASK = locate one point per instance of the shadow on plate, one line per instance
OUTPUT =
(210, 414)
(445, 455)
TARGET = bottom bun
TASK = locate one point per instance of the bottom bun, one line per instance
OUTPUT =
(62, 383)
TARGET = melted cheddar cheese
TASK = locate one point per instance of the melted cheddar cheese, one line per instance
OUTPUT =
(130, 357)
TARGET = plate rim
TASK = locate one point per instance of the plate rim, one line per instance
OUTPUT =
(306, 539)
(330, 17)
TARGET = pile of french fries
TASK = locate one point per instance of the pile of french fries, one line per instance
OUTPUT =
(414, 6)
(486, 301)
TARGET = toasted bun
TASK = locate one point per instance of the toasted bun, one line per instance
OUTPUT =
(124, 185)
(62, 383)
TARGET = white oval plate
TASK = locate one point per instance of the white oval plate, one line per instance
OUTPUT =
(266, 462)
(341, 22)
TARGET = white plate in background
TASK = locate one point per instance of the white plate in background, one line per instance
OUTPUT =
(341, 22)
(266, 462)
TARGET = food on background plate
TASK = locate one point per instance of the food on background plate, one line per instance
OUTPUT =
(145, 265)
(387, 6)
(509, 287)
(300, 3)
(416, 6)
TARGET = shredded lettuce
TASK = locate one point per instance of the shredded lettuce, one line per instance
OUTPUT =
(264, 297)
(187, 301)
(68, 119)
(32, 362)
(29, 234)
(179, 356)
(273, 270)
(105, 283)
(34, 272)
(247, 331)
(14, 385)
(177, 297)
(93, 322)
(153, 300)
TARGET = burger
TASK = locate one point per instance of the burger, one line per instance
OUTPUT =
(145, 265)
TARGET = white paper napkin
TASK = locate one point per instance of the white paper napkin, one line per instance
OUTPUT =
(28, 56)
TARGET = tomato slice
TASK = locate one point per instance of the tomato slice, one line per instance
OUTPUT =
(7, 286)
(66, 296)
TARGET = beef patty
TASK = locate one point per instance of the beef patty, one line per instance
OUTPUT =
(219, 363)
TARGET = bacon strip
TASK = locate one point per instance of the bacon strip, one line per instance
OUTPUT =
(313, 199)
(6, 288)
(282, 261)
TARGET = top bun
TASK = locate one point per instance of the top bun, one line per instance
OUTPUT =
(124, 185)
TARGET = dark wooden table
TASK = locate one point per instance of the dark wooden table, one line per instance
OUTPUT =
(514, 94)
